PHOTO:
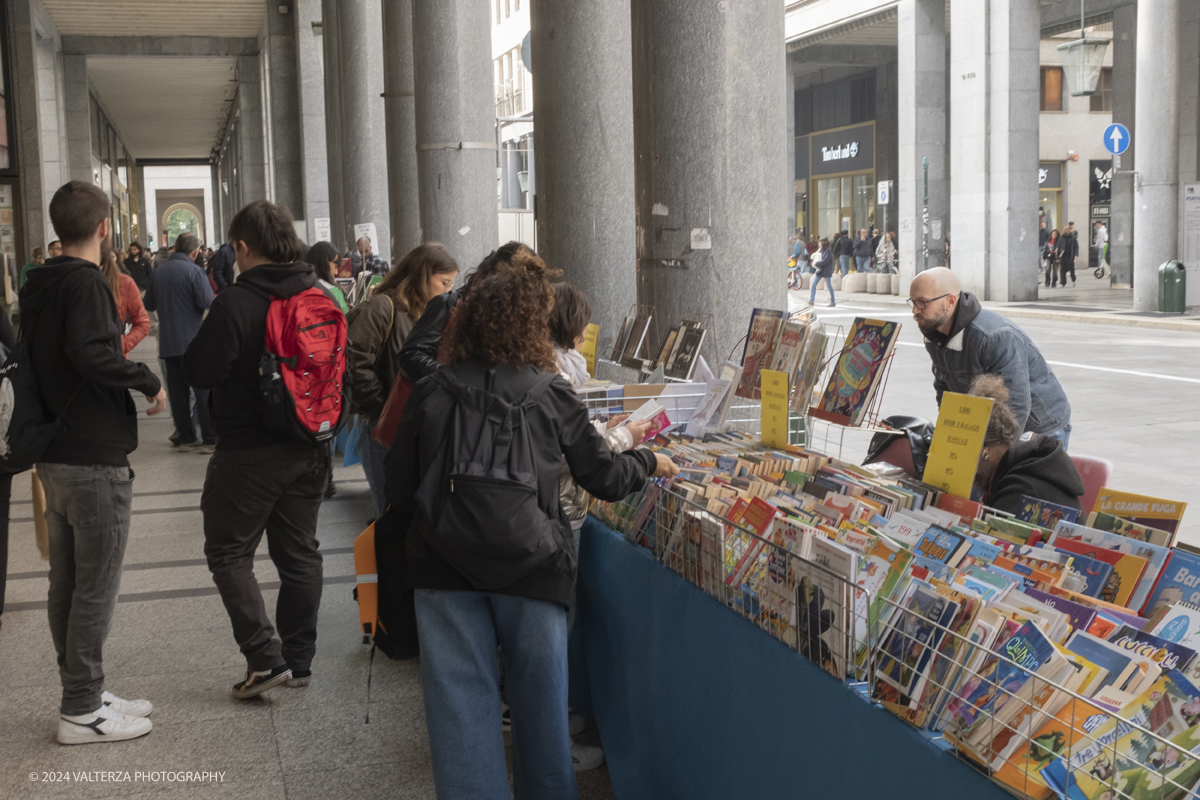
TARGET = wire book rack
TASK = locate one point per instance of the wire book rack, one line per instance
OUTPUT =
(980, 696)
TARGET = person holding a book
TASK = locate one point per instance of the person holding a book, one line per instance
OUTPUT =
(965, 340)
(1014, 465)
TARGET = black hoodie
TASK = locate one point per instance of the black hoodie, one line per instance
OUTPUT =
(1037, 466)
(224, 355)
(70, 319)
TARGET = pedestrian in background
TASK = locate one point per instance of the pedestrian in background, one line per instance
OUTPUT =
(221, 266)
(1050, 256)
(135, 323)
(1101, 243)
(70, 321)
(138, 267)
(843, 249)
(36, 259)
(885, 252)
(180, 293)
(324, 258)
(823, 262)
(862, 252)
(378, 329)
(1068, 251)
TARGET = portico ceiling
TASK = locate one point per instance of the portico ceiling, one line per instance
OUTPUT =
(157, 17)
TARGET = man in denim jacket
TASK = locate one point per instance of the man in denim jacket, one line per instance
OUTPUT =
(965, 340)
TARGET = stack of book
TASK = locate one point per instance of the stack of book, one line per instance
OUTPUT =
(1037, 650)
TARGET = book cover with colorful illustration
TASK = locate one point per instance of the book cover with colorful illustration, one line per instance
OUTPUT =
(1141, 509)
(760, 346)
(1043, 513)
(858, 371)
(1049, 744)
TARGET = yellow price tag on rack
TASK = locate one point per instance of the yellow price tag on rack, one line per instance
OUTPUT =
(774, 408)
(590, 335)
(957, 439)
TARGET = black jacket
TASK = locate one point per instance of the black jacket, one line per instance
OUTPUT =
(844, 246)
(418, 356)
(70, 319)
(139, 270)
(1068, 248)
(1037, 466)
(220, 266)
(225, 354)
(823, 263)
(559, 427)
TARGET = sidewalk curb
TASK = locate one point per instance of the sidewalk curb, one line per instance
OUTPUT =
(1173, 323)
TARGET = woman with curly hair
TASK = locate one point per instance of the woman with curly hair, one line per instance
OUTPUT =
(499, 344)
(378, 327)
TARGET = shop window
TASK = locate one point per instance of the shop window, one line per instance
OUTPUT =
(1102, 99)
(1052, 89)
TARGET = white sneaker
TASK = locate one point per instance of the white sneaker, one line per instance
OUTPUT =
(102, 725)
(576, 724)
(586, 758)
(130, 708)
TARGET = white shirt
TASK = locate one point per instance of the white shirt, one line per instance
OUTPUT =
(1101, 236)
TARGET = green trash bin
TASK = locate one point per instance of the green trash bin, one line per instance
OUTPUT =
(1172, 287)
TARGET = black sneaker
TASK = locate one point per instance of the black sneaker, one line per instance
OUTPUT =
(300, 678)
(258, 682)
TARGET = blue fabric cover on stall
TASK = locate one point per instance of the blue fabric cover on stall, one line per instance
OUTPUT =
(694, 702)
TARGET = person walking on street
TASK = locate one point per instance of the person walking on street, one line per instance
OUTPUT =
(1043, 237)
(885, 252)
(180, 293)
(135, 323)
(1068, 251)
(70, 322)
(1101, 242)
(259, 479)
(378, 328)
(862, 252)
(843, 249)
(138, 267)
(823, 261)
(1050, 257)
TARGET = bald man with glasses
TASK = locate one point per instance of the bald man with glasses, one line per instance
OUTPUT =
(965, 340)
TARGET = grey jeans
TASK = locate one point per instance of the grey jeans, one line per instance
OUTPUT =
(87, 512)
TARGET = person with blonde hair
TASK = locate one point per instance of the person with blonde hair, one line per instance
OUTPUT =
(135, 322)
(378, 329)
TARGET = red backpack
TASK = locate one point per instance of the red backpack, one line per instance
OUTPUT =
(303, 366)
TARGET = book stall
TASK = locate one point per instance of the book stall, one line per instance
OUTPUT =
(1052, 653)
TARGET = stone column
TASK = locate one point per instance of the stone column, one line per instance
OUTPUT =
(252, 171)
(1124, 92)
(710, 161)
(145, 225)
(1189, 112)
(333, 124)
(1156, 197)
(364, 135)
(921, 131)
(400, 108)
(994, 147)
(585, 210)
(77, 106)
(314, 164)
(456, 127)
(284, 94)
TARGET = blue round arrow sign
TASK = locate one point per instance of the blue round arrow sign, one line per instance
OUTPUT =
(1116, 138)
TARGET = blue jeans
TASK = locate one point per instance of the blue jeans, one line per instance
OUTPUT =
(1063, 435)
(812, 296)
(372, 454)
(460, 679)
(844, 265)
(863, 263)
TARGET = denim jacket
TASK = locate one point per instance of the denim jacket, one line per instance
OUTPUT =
(983, 342)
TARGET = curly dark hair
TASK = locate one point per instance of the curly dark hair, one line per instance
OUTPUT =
(504, 319)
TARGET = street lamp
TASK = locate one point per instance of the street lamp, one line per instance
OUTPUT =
(1082, 60)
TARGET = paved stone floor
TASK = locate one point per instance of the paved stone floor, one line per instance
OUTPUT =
(171, 642)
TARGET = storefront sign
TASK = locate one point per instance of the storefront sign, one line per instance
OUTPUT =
(957, 442)
(1050, 175)
(845, 150)
(1101, 211)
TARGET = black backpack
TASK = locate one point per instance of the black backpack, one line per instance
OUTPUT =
(480, 495)
(26, 426)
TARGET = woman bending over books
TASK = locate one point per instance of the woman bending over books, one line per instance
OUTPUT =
(1013, 464)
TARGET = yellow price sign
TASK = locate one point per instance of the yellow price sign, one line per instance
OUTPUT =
(774, 408)
(590, 335)
(957, 440)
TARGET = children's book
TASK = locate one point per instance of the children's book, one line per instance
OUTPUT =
(760, 346)
(809, 370)
(1127, 569)
(1169, 655)
(1156, 557)
(1050, 744)
(1141, 509)
(788, 349)
(858, 371)
(821, 623)
(1117, 661)
(1178, 583)
(1043, 513)
(942, 545)
(1108, 522)
(913, 638)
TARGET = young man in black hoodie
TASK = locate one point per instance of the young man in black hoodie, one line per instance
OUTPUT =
(259, 479)
(74, 332)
